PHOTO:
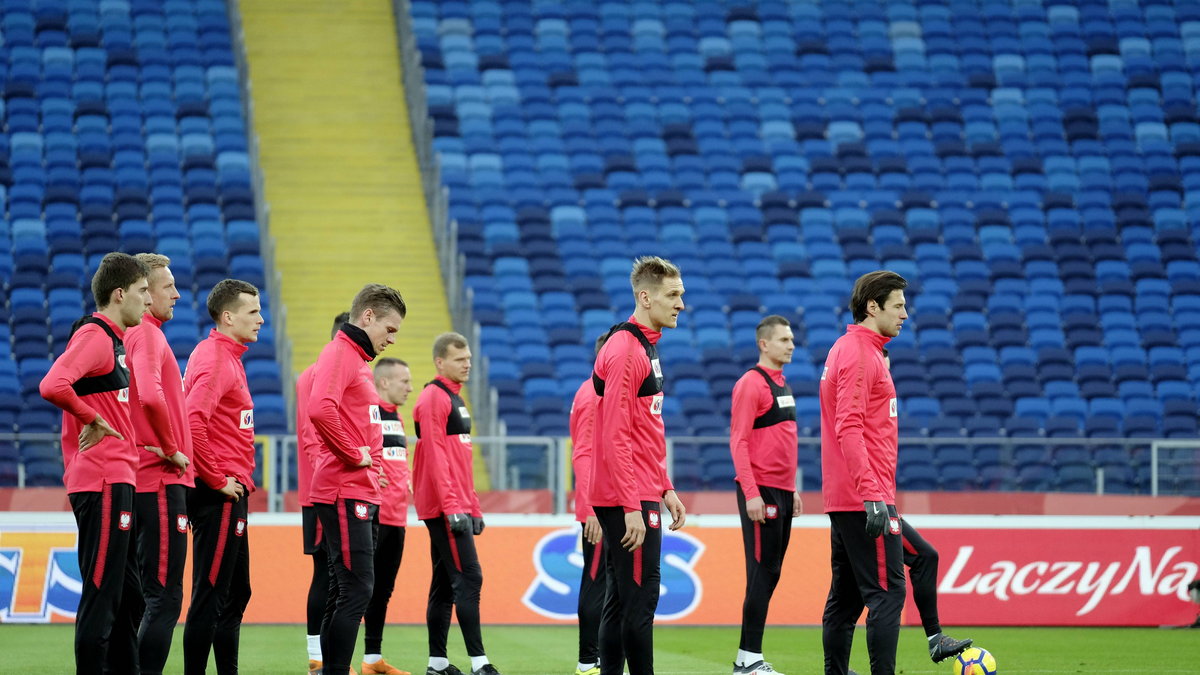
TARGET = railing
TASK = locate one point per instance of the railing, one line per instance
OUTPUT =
(445, 230)
(262, 210)
(1163, 467)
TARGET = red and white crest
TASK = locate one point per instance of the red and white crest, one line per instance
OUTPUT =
(894, 525)
(360, 511)
(181, 522)
(772, 511)
(654, 519)
(125, 520)
(241, 527)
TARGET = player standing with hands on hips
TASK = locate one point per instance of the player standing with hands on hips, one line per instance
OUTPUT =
(164, 443)
(90, 383)
(762, 429)
(859, 438)
(344, 410)
(444, 492)
(629, 472)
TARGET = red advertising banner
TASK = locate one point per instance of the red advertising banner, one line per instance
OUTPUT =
(993, 571)
(1065, 577)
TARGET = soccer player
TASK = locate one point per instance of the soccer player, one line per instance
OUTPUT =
(90, 383)
(629, 471)
(858, 466)
(762, 424)
(344, 410)
(307, 446)
(921, 559)
(165, 477)
(393, 383)
(444, 492)
(593, 580)
(221, 417)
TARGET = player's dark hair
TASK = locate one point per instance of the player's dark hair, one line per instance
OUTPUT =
(767, 325)
(378, 298)
(600, 341)
(117, 270)
(875, 286)
(224, 297)
(337, 323)
(445, 341)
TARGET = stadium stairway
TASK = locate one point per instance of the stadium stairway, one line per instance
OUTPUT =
(341, 175)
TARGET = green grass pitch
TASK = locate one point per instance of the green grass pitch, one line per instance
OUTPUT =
(536, 650)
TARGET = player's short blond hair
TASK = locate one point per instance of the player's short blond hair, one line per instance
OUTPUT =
(649, 272)
(154, 260)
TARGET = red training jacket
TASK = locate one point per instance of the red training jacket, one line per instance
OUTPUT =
(112, 461)
(630, 464)
(443, 464)
(159, 415)
(858, 423)
(393, 505)
(343, 407)
(765, 456)
(583, 415)
(220, 412)
(307, 441)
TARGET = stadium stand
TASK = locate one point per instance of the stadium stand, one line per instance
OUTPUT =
(123, 130)
(1034, 171)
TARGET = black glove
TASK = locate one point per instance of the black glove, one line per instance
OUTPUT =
(877, 517)
(477, 525)
(460, 523)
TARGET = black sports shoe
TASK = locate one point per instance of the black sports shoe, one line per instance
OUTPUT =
(943, 647)
(487, 669)
(448, 670)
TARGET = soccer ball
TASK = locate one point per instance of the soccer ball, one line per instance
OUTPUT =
(975, 661)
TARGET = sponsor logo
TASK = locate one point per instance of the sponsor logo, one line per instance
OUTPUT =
(181, 522)
(373, 414)
(1143, 573)
(121, 361)
(892, 407)
(393, 428)
(558, 562)
(656, 367)
(240, 529)
(656, 404)
(894, 525)
(785, 401)
(464, 438)
(772, 511)
(361, 511)
(463, 412)
(123, 395)
(395, 453)
(247, 419)
(824, 372)
(653, 518)
(125, 520)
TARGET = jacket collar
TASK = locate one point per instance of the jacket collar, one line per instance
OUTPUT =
(359, 338)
